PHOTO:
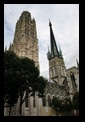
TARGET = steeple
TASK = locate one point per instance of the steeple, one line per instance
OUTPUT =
(49, 54)
(5, 48)
(54, 49)
(10, 47)
(60, 52)
(77, 63)
(57, 70)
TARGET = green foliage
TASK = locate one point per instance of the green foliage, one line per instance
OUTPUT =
(10, 82)
(28, 74)
(62, 106)
(40, 85)
(66, 106)
(56, 103)
(20, 74)
(75, 101)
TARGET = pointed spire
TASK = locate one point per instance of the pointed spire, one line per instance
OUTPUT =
(48, 48)
(33, 19)
(49, 53)
(54, 49)
(77, 64)
(10, 46)
(60, 52)
(50, 23)
(5, 48)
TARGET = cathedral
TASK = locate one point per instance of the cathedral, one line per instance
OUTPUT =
(63, 82)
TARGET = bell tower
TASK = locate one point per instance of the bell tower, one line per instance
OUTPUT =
(25, 43)
(57, 69)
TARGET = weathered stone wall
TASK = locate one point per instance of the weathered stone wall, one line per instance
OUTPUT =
(25, 43)
(75, 71)
(57, 70)
(56, 90)
(47, 111)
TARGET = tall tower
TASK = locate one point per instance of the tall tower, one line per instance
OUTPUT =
(25, 43)
(57, 70)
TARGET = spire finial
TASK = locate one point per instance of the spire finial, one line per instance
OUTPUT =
(5, 48)
(54, 49)
(50, 23)
(77, 63)
(10, 46)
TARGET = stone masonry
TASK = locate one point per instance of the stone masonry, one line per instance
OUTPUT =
(25, 43)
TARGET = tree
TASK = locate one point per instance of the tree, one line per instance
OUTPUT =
(62, 106)
(75, 101)
(57, 104)
(30, 81)
(21, 77)
(67, 106)
(11, 63)
(40, 85)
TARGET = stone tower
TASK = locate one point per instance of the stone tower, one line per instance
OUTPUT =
(57, 70)
(25, 43)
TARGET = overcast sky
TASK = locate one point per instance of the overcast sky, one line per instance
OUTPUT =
(65, 24)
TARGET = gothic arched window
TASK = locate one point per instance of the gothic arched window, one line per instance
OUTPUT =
(26, 103)
(55, 71)
(44, 101)
(52, 73)
(73, 79)
(49, 100)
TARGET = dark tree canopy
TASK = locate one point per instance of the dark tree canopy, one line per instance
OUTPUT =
(75, 101)
(11, 63)
(20, 76)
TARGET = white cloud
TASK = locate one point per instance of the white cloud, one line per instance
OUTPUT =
(65, 24)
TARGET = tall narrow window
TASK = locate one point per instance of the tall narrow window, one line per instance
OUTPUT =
(55, 71)
(52, 73)
(62, 71)
(26, 103)
(44, 101)
(49, 101)
(73, 80)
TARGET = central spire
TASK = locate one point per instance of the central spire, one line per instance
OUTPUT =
(54, 49)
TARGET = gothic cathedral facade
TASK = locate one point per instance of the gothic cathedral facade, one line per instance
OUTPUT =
(64, 81)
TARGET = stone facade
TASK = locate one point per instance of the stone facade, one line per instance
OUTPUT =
(73, 80)
(57, 70)
(25, 43)
(65, 81)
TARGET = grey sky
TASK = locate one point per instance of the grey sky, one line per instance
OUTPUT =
(65, 24)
